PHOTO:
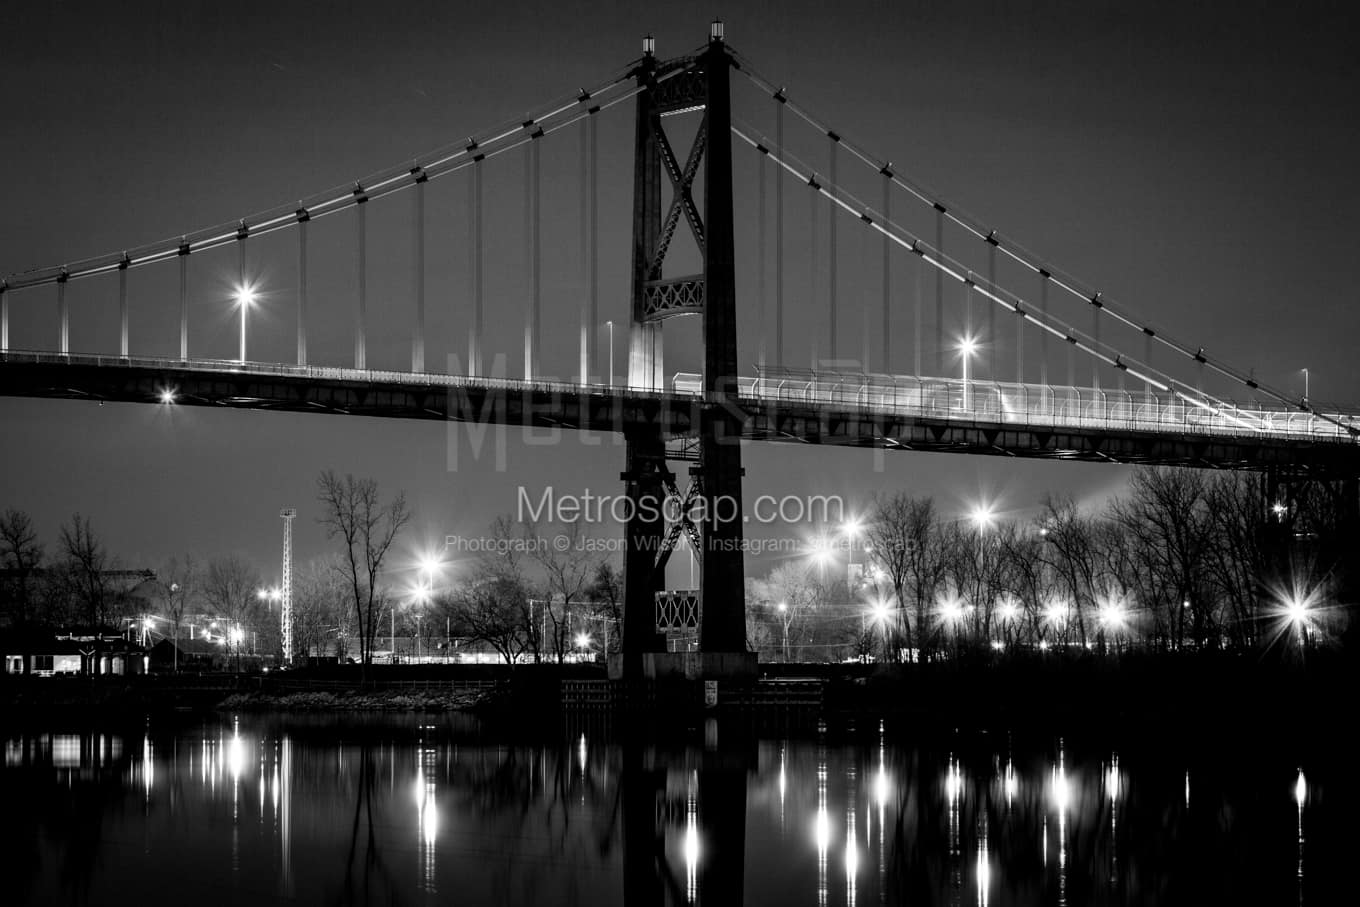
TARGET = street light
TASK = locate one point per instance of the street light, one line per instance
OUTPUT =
(610, 325)
(245, 298)
(967, 349)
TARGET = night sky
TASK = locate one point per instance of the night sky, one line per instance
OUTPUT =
(1196, 164)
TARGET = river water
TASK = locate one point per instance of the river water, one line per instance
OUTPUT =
(258, 809)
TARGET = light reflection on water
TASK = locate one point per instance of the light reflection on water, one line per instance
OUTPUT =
(401, 810)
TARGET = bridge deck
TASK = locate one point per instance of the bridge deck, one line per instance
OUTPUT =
(950, 415)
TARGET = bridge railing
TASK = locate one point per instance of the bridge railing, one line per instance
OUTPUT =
(1038, 405)
(974, 400)
(324, 372)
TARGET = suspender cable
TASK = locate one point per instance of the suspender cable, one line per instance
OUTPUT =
(183, 300)
(887, 276)
(778, 240)
(939, 298)
(587, 327)
(1228, 411)
(760, 262)
(361, 306)
(1043, 338)
(302, 217)
(831, 266)
(475, 335)
(122, 310)
(1027, 259)
(243, 296)
(993, 346)
(593, 238)
(531, 221)
(64, 317)
(916, 330)
(440, 162)
(815, 202)
(1095, 334)
(418, 275)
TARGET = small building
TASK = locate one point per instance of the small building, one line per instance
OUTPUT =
(73, 652)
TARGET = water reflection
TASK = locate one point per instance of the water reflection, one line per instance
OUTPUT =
(401, 810)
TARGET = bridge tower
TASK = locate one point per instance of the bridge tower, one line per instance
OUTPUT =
(286, 590)
(700, 85)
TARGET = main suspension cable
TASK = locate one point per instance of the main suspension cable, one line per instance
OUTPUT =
(1023, 256)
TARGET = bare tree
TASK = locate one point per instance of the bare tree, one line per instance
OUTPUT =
(230, 587)
(320, 609)
(568, 567)
(86, 562)
(354, 513)
(21, 554)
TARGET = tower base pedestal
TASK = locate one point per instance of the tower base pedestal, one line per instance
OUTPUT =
(687, 665)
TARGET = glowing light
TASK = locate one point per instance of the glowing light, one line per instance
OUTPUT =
(149, 623)
(429, 563)
(1278, 509)
(1112, 779)
(237, 634)
(982, 515)
(1297, 611)
(236, 756)
(881, 788)
(1113, 615)
(881, 611)
(582, 640)
(167, 395)
(262, 595)
(984, 876)
(1300, 789)
(245, 295)
(692, 843)
(951, 610)
(1043, 645)
(1009, 610)
(852, 526)
(851, 854)
(782, 606)
(998, 645)
(1055, 612)
(1012, 783)
(429, 819)
(953, 781)
(968, 345)
(1061, 789)
(822, 830)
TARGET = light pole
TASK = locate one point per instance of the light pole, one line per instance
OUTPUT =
(1305, 384)
(967, 347)
(245, 298)
(610, 325)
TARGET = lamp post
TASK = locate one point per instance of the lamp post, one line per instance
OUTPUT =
(610, 325)
(245, 298)
(967, 348)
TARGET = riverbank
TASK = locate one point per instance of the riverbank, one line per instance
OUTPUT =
(1187, 693)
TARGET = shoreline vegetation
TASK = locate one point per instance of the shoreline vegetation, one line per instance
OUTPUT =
(1159, 694)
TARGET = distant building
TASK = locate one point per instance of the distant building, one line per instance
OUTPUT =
(72, 652)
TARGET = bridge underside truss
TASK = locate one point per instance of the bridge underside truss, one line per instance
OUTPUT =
(675, 416)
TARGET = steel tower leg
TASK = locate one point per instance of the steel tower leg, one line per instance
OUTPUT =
(722, 636)
(645, 448)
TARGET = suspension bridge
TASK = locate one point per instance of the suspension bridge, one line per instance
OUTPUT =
(990, 326)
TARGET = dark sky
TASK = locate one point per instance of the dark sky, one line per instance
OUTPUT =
(1196, 163)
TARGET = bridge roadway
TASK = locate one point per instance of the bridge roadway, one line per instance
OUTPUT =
(949, 415)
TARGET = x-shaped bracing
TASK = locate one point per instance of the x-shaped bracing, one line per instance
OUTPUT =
(682, 181)
(683, 522)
